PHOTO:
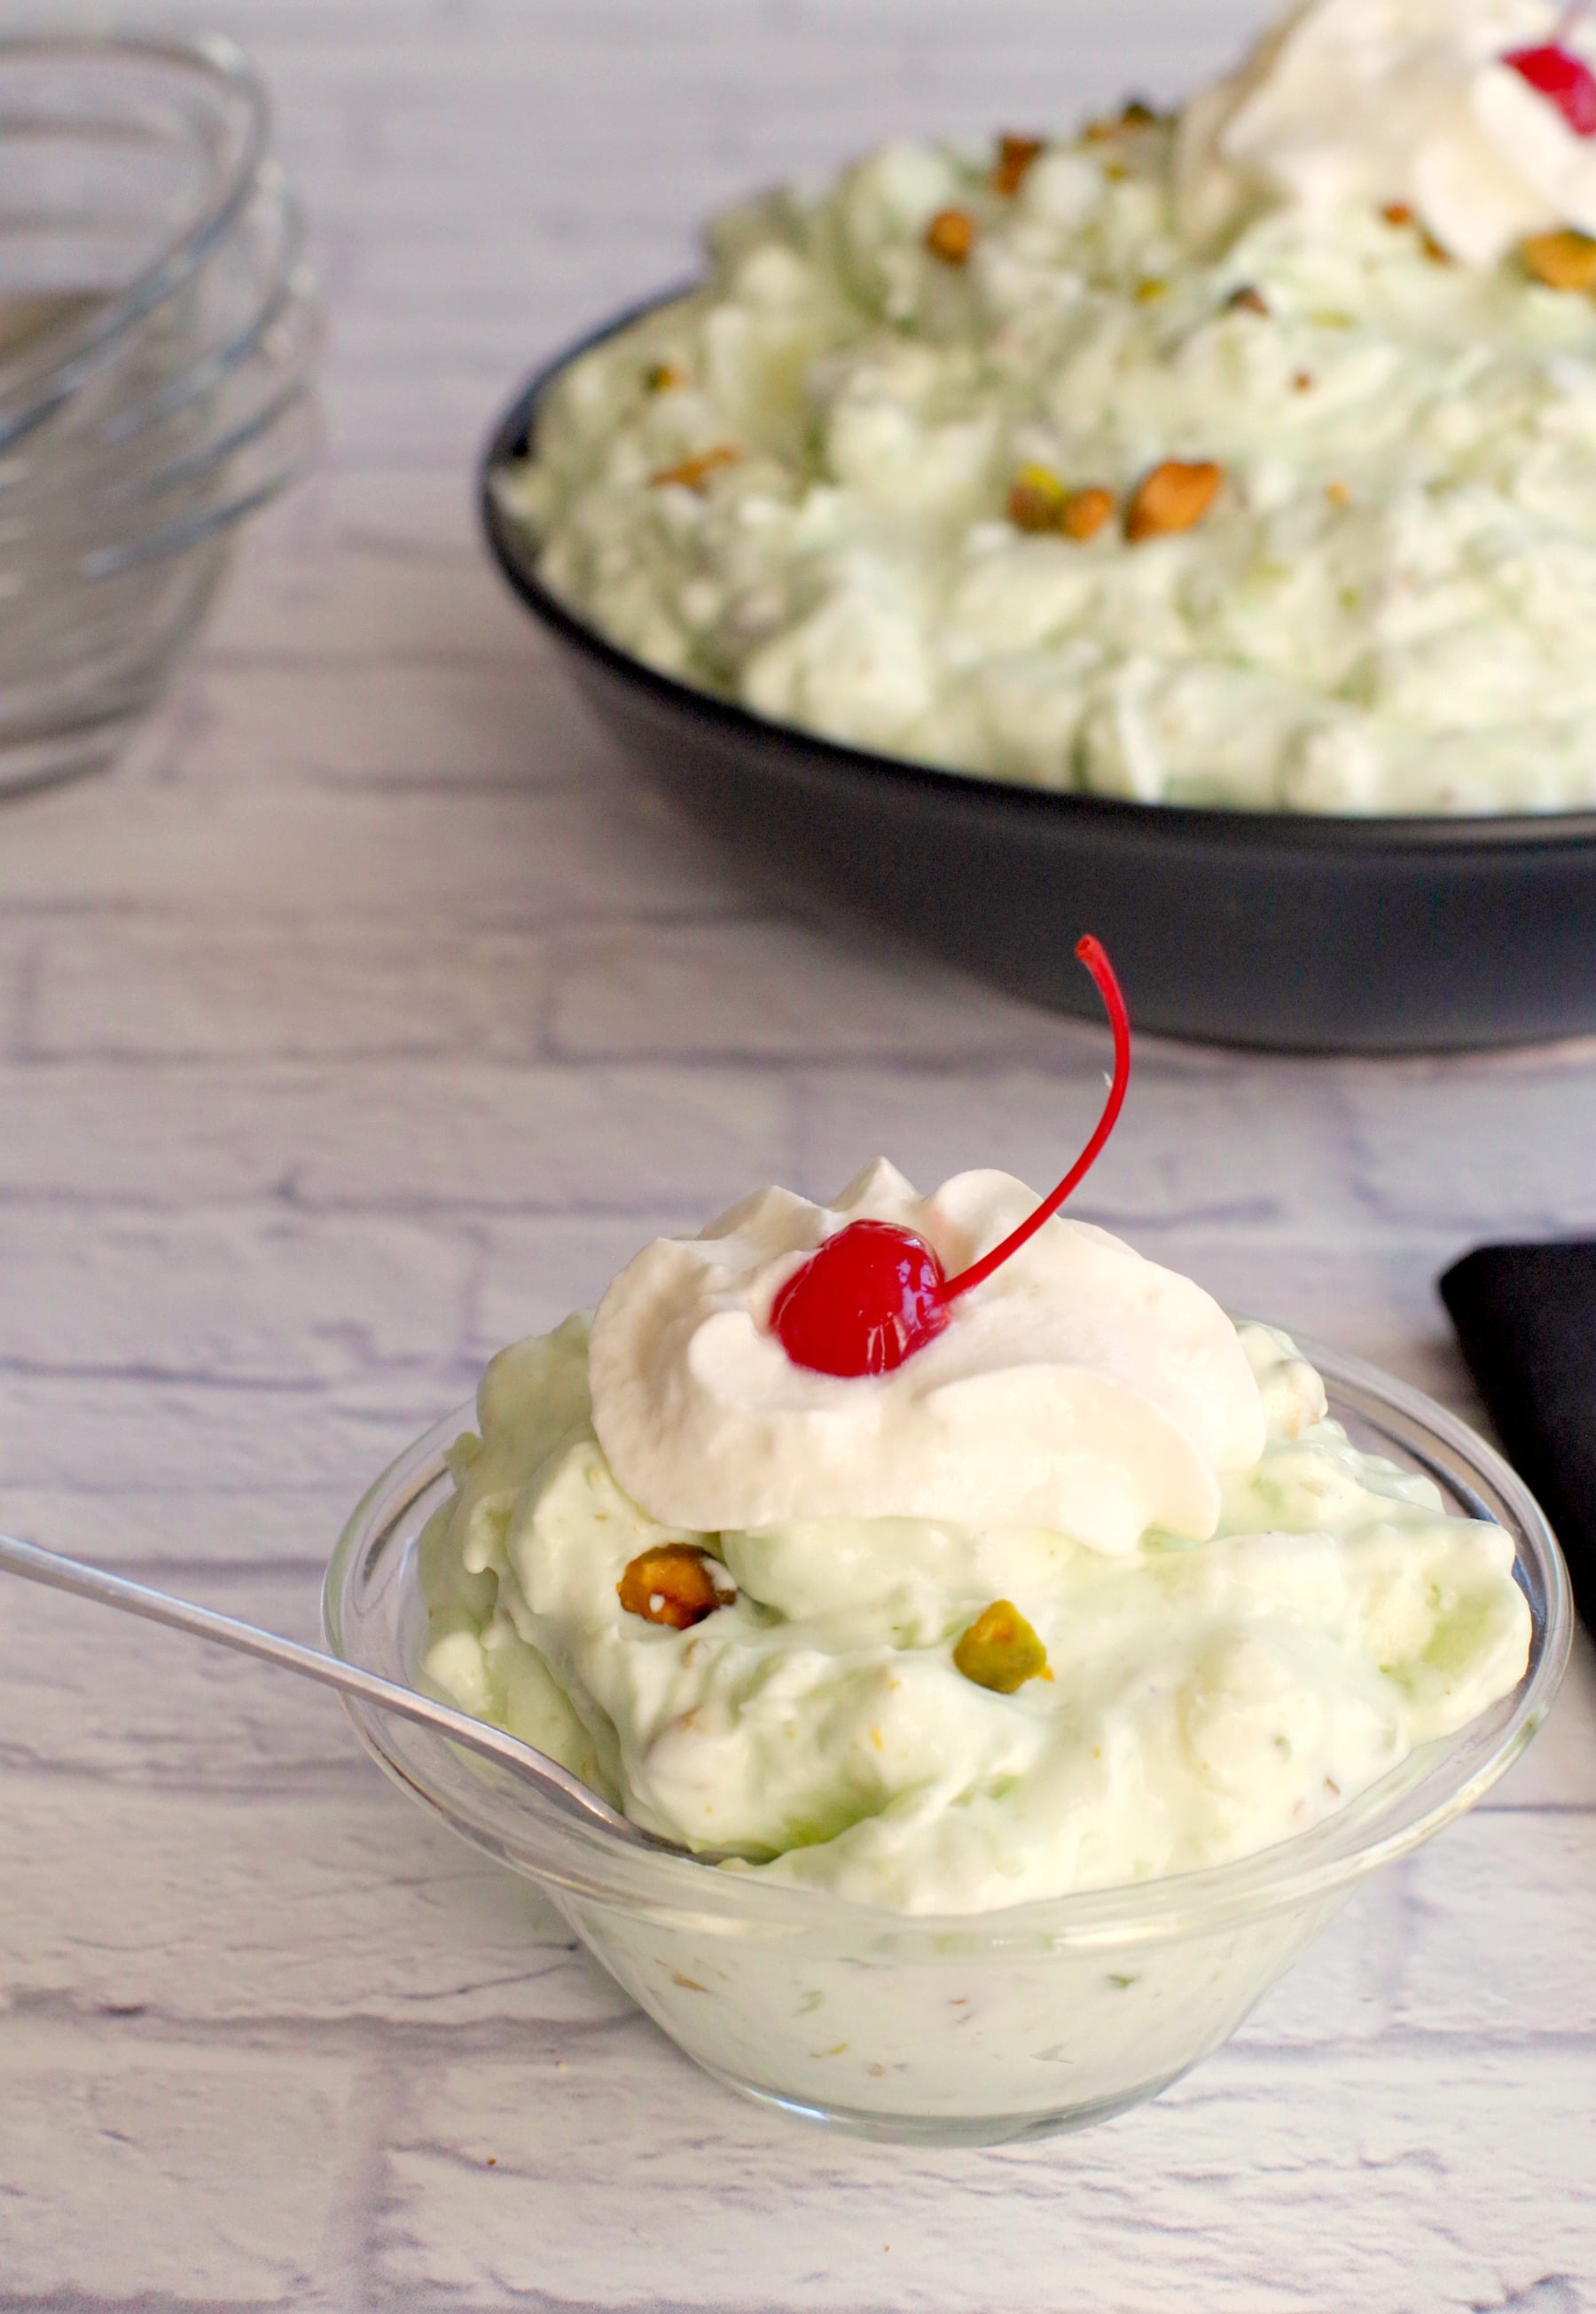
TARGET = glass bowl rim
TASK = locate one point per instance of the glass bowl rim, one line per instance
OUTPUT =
(588, 1861)
(70, 357)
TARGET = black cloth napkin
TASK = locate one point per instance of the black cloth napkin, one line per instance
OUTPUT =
(1526, 1319)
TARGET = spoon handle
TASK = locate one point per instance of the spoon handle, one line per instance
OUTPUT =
(48, 1566)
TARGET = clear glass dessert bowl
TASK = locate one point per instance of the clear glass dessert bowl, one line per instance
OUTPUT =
(966, 2029)
(158, 332)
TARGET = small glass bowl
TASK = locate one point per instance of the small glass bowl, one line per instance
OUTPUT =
(968, 2029)
(158, 328)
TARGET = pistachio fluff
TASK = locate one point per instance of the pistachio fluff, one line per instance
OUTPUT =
(1090, 1590)
(1241, 457)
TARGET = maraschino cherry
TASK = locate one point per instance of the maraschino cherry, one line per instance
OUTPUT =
(1562, 77)
(873, 1294)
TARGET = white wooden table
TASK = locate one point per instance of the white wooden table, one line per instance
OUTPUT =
(369, 1017)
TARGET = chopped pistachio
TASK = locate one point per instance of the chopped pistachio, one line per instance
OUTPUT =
(693, 473)
(1036, 499)
(1136, 114)
(1562, 261)
(1001, 1651)
(1016, 156)
(951, 236)
(673, 1584)
(1174, 497)
(1086, 512)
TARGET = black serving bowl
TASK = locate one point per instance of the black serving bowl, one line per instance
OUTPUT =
(1301, 932)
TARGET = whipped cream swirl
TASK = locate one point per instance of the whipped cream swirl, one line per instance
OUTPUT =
(1081, 1388)
(1385, 101)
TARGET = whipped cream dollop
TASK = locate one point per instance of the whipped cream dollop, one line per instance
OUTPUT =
(1081, 1388)
(1389, 102)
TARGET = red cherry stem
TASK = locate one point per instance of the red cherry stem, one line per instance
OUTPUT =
(1093, 956)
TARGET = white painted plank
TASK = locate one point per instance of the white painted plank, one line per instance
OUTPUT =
(234, 1296)
(183, 1522)
(478, 857)
(94, 1698)
(1397, 2180)
(379, 1134)
(114, 989)
(241, 1908)
(221, 2175)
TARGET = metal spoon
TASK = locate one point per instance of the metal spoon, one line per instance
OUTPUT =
(555, 1782)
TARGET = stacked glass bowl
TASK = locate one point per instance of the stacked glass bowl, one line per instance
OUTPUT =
(158, 328)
